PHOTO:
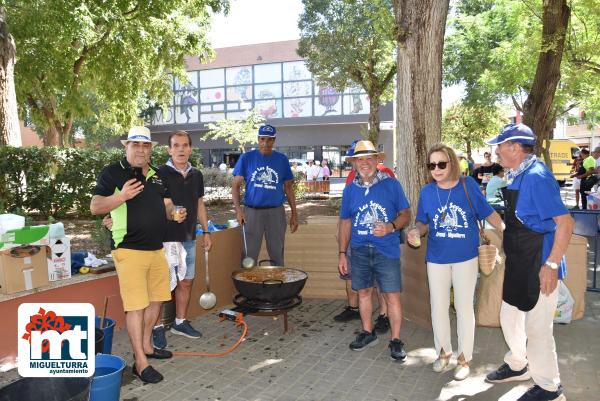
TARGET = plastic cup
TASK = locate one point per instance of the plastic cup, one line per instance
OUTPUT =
(178, 213)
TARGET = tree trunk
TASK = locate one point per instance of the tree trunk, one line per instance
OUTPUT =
(53, 135)
(420, 25)
(10, 131)
(374, 120)
(538, 106)
(420, 28)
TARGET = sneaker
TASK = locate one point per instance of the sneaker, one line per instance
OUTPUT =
(441, 363)
(159, 339)
(397, 350)
(347, 314)
(536, 393)
(364, 339)
(185, 329)
(461, 372)
(382, 324)
(505, 374)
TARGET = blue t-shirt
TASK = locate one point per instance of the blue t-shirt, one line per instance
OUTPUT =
(264, 176)
(456, 238)
(382, 202)
(539, 202)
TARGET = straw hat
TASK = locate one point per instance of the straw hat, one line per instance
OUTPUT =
(364, 148)
(138, 134)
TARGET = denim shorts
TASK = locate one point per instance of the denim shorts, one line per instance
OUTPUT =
(370, 266)
(190, 259)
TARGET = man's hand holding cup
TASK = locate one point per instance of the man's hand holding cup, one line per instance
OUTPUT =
(179, 214)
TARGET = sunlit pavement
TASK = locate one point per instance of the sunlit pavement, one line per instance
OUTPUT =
(313, 362)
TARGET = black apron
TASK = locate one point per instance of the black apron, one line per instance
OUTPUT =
(523, 249)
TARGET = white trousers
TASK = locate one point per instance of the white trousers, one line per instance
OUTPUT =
(463, 277)
(530, 338)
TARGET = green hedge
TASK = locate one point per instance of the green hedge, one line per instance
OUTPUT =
(54, 181)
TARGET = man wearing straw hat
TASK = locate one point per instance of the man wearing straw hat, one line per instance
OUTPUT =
(140, 206)
(373, 208)
(269, 181)
(538, 230)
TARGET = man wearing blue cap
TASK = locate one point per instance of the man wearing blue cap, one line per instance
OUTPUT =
(269, 180)
(538, 230)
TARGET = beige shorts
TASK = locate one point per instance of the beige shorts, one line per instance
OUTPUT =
(143, 277)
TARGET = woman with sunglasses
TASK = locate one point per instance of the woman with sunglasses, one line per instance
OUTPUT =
(445, 214)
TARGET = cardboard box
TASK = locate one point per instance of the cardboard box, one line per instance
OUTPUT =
(224, 258)
(59, 259)
(23, 268)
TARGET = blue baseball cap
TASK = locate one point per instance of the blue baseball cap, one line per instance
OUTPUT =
(515, 133)
(350, 151)
(267, 130)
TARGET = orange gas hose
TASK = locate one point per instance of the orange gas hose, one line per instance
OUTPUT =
(238, 322)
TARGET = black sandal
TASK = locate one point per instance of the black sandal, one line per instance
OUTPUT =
(160, 354)
(148, 375)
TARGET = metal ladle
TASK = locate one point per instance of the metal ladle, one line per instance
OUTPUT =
(247, 262)
(208, 300)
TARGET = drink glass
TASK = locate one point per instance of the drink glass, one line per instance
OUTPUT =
(416, 240)
(178, 213)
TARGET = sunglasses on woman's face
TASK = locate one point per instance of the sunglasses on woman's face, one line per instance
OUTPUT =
(441, 165)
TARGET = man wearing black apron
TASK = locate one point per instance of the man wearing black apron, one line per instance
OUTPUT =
(538, 230)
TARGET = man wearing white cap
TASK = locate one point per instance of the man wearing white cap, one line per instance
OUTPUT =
(269, 181)
(140, 205)
(538, 230)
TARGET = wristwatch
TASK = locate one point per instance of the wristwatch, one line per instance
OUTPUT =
(551, 265)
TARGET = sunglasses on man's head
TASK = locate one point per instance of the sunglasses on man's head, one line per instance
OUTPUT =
(441, 165)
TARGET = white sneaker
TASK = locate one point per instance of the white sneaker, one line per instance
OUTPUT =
(461, 372)
(441, 363)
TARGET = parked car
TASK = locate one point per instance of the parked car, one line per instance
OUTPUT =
(301, 165)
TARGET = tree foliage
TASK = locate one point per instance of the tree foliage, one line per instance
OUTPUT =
(506, 49)
(242, 132)
(349, 43)
(468, 126)
(82, 59)
(50, 181)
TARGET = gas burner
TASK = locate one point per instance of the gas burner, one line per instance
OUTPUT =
(252, 305)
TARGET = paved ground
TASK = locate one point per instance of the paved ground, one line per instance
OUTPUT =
(313, 362)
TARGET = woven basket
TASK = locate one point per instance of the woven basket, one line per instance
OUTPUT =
(488, 255)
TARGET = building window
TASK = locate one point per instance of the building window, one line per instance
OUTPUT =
(212, 78)
(295, 70)
(328, 101)
(297, 107)
(267, 73)
(239, 75)
(275, 90)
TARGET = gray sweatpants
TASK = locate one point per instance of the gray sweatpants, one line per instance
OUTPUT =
(271, 223)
